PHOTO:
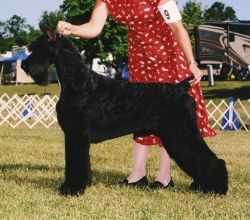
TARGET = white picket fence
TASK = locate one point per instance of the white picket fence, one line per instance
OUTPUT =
(34, 110)
(229, 116)
(29, 110)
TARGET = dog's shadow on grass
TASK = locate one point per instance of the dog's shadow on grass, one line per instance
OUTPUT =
(51, 177)
(107, 178)
(44, 176)
(25, 167)
(34, 174)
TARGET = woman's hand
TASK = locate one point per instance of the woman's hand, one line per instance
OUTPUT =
(193, 68)
(64, 28)
(90, 29)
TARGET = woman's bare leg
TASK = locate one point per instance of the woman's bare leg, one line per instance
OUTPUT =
(164, 174)
(140, 156)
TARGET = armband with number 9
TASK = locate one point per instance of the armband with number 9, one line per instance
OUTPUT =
(170, 12)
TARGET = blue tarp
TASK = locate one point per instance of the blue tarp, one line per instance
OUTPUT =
(125, 72)
(17, 56)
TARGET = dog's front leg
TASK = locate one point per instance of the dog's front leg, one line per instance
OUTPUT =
(77, 164)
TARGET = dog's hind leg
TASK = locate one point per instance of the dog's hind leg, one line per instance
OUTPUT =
(208, 172)
(77, 164)
(182, 139)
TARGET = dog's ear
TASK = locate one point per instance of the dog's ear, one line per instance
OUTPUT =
(38, 43)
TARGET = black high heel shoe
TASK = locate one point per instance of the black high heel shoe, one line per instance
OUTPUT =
(143, 182)
(159, 185)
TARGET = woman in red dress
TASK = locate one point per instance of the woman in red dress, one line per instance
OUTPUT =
(160, 52)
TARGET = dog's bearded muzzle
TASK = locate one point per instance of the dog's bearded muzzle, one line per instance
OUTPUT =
(37, 72)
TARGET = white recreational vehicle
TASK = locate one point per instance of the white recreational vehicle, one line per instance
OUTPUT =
(225, 46)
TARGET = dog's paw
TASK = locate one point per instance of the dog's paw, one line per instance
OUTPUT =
(69, 190)
(195, 186)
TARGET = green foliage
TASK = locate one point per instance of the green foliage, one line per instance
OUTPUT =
(6, 44)
(192, 13)
(15, 31)
(16, 26)
(112, 40)
(49, 20)
(77, 10)
(220, 12)
(33, 34)
(2, 31)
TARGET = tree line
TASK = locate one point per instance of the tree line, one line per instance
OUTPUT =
(16, 31)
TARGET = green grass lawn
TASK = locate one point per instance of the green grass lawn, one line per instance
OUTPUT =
(222, 89)
(225, 89)
(21, 90)
(32, 168)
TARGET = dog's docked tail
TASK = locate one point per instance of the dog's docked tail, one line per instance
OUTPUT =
(185, 83)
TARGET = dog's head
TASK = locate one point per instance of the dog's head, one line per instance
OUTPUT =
(43, 52)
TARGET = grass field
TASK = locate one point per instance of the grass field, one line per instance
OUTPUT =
(31, 169)
(29, 89)
(223, 89)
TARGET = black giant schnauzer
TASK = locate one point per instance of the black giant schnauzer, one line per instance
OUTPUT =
(93, 108)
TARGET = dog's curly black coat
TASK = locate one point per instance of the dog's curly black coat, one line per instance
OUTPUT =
(93, 108)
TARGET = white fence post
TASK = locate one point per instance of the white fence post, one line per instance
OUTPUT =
(33, 110)
(210, 75)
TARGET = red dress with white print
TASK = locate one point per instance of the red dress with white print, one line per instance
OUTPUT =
(154, 54)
